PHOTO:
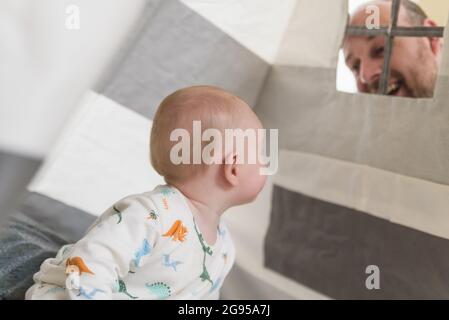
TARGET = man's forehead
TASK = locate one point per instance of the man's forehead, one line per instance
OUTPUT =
(350, 45)
(359, 17)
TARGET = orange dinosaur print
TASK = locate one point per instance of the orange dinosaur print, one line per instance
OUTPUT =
(165, 203)
(79, 263)
(177, 231)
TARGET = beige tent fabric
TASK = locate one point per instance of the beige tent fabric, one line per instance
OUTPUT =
(308, 41)
(411, 202)
(438, 10)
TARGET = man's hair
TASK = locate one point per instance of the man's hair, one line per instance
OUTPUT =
(415, 13)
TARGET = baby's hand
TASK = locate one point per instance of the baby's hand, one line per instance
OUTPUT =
(72, 281)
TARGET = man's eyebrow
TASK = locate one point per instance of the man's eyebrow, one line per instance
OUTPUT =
(349, 57)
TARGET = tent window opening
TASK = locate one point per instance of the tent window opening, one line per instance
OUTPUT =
(382, 77)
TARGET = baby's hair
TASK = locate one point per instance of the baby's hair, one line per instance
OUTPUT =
(214, 107)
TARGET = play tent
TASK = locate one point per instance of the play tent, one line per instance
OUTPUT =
(363, 179)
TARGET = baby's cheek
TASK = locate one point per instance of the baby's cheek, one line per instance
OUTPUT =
(256, 181)
(262, 181)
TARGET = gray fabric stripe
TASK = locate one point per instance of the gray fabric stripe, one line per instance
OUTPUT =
(68, 222)
(242, 285)
(328, 247)
(149, 10)
(15, 173)
(174, 48)
(402, 135)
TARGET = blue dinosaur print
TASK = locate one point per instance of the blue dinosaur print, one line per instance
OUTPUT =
(215, 285)
(144, 250)
(171, 263)
(221, 232)
(89, 295)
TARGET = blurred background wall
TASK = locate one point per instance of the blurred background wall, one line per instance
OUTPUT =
(437, 9)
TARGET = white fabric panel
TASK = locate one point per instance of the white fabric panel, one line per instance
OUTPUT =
(308, 41)
(248, 225)
(259, 25)
(46, 67)
(411, 202)
(354, 4)
(101, 157)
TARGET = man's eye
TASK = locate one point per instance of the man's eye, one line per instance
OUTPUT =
(356, 68)
(379, 51)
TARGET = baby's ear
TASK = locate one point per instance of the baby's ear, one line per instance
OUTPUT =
(231, 169)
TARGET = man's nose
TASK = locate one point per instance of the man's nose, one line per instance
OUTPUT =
(370, 72)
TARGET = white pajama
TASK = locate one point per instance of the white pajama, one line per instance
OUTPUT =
(145, 246)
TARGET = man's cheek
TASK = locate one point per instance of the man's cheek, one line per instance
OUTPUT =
(361, 87)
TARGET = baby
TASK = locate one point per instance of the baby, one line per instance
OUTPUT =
(168, 243)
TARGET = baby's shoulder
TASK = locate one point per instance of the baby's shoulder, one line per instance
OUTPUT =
(169, 206)
(163, 209)
(134, 204)
(130, 209)
(159, 205)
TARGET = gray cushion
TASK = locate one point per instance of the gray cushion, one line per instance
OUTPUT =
(34, 233)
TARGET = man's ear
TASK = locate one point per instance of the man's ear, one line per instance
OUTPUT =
(231, 169)
(436, 44)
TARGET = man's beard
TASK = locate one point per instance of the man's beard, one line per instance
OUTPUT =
(396, 84)
(417, 86)
(420, 83)
(426, 77)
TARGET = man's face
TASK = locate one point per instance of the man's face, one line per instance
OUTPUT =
(414, 61)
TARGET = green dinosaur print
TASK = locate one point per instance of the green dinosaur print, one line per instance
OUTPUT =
(121, 287)
(118, 213)
(206, 249)
(204, 276)
(152, 215)
(166, 191)
(159, 289)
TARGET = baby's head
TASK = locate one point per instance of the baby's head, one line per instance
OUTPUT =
(233, 173)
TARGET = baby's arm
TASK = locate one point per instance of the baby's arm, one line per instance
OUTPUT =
(121, 238)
